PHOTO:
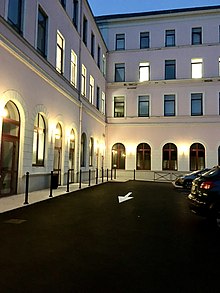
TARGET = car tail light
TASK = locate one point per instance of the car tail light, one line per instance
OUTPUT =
(207, 185)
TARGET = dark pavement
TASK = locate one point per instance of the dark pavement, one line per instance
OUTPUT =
(87, 242)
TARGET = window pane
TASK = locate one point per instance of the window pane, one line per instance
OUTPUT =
(119, 107)
(197, 36)
(41, 34)
(119, 72)
(14, 13)
(196, 68)
(144, 71)
(170, 38)
(170, 69)
(120, 42)
(169, 105)
(143, 106)
(144, 40)
(196, 104)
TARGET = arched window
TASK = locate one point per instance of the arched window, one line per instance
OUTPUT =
(83, 150)
(72, 155)
(197, 157)
(39, 141)
(169, 157)
(58, 151)
(143, 157)
(9, 149)
(91, 151)
(118, 156)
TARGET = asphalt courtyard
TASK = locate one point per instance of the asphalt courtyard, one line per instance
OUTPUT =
(87, 241)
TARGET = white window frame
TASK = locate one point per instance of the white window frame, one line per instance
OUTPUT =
(73, 69)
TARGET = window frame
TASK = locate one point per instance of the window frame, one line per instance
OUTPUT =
(195, 64)
(38, 145)
(18, 25)
(119, 106)
(60, 48)
(169, 105)
(196, 36)
(119, 70)
(144, 100)
(170, 38)
(170, 69)
(41, 28)
(144, 40)
(195, 98)
(73, 69)
(83, 80)
(144, 70)
(120, 42)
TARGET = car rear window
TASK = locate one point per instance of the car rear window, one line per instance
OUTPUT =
(213, 172)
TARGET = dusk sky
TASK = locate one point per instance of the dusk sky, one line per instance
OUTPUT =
(103, 7)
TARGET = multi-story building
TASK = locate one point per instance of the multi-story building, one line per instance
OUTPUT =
(163, 89)
(134, 91)
(52, 92)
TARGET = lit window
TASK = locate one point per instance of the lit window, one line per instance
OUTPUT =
(38, 141)
(83, 85)
(91, 151)
(73, 68)
(103, 103)
(144, 71)
(60, 53)
(119, 105)
(104, 65)
(196, 68)
(91, 89)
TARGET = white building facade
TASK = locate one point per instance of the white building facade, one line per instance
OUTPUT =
(163, 89)
(52, 92)
(131, 92)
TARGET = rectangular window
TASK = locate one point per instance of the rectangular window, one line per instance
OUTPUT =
(73, 77)
(103, 103)
(144, 40)
(75, 13)
(219, 103)
(144, 71)
(83, 81)
(92, 44)
(91, 89)
(119, 105)
(15, 14)
(99, 57)
(60, 53)
(85, 29)
(196, 64)
(119, 72)
(120, 42)
(196, 36)
(42, 32)
(196, 104)
(98, 97)
(143, 106)
(104, 65)
(219, 66)
(170, 38)
(170, 69)
(169, 105)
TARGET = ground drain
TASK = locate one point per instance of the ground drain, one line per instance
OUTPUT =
(15, 221)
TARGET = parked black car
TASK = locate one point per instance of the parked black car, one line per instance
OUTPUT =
(204, 198)
(185, 181)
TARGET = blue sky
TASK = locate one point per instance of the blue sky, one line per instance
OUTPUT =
(103, 7)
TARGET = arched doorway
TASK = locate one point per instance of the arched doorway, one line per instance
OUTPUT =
(118, 156)
(169, 157)
(9, 150)
(197, 157)
(143, 157)
(57, 163)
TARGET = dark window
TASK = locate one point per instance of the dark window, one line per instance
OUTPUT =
(98, 97)
(92, 44)
(85, 28)
(143, 157)
(169, 157)
(196, 104)
(169, 105)
(196, 36)
(15, 14)
(42, 32)
(170, 69)
(170, 38)
(118, 156)
(197, 157)
(119, 105)
(99, 57)
(120, 72)
(144, 40)
(83, 150)
(120, 42)
(75, 12)
(143, 106)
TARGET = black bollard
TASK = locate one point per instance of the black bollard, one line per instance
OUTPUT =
(26, 188)
(51, 183)
(68, 181)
